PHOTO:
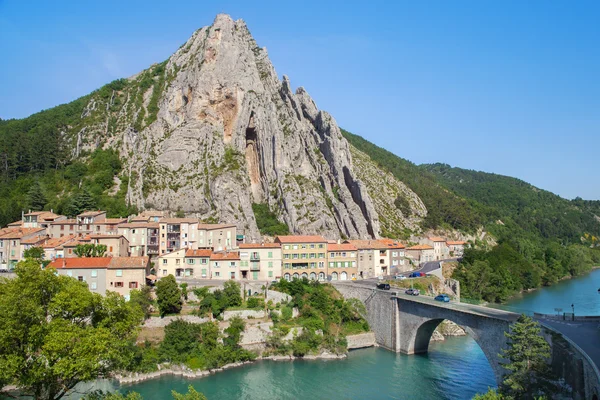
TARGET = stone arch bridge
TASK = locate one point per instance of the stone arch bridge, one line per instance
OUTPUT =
(404, 323)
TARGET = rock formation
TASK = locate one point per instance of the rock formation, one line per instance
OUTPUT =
(213, 129)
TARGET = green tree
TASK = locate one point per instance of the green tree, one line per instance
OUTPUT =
(232, 294)
(491, 394)
(55, 333)
(191, 394)
(81, 202)
(35, 197)
(34, 253)
(234, 332)
(143, 298)
(527, 354)
(168, 296)
(90, 250)
(184, 290)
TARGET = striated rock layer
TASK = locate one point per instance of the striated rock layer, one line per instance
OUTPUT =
(213, 130)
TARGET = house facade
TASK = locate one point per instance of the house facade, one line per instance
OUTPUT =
(342, 262)
(440, 249)
(143, 237)
(225, 265)
(456, 248)
(421, 253)
(260, 261)
(303, 256)
(11, 250)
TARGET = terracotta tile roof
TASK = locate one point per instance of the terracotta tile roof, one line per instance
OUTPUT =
(300, 239)
(56, 242)
(368, 244)
(78, 241)
(105, 236)
(81, 262)
(198, 253)
(44, 215)
(421, 247)
(91, 213)
(455, 242)
(233, 256)
(65, 222)
(129, 262)
(341, 247)
(151, 213)
(111, 221)
(437, 239)
(33, 240)
(134, 225)
(210, 227)
(260, 246)
(18, 233)
(392, 244)
(179, 221)
(16, 223)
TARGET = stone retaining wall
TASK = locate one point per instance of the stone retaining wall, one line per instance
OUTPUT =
(158, 322)
(361, 340)
(243, 314)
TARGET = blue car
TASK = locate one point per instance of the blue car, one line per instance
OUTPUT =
(443, 297)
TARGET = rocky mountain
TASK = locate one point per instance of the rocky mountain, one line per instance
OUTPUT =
(212, 130)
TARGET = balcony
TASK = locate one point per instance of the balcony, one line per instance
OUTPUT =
(254, 267)
(254, 257)
(152, 250)
(173, 229)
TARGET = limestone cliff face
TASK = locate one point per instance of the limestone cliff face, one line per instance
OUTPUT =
(213, 130)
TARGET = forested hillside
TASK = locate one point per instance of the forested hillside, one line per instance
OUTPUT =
(36, 171)
(444, 208)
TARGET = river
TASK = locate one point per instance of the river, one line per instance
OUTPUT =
(453, 369)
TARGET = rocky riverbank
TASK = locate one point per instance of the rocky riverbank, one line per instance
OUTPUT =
(184, 372)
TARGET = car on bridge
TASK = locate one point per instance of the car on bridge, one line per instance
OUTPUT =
(383, 286)
(413, 292)
(443, 297)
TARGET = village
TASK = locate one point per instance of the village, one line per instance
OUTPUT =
(146, 247)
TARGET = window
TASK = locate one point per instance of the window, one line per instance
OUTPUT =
(344, 254)
(94, 273)
(118, 284)
(312, 264)
(320, 245)
(133, 285)
(313, 255)
(295, 247)
(270, 274)
(312, 246)
(217, 274)
(62, 227)
(286, 265)
(303, 246)
(232, 264)
(321, 255)
(286, 256)
(133, 231)
(394, 254)
(332, 255)
(110, 249)
(119, 272)
(270, 254)
(190, 261)
(295, 256)
(321, 264)
(270, 264)
(216, 264)
(164, 260)
(70, 251)
(80, 278)
(177, 261)
(164, 272)
(203, 261)
(93, 286)
(286, 247)
(331, 264)
(304, 255)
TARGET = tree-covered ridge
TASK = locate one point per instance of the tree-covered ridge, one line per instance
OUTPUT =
(444, 208)
(517, 203)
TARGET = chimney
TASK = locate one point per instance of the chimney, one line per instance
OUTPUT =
(64, 263)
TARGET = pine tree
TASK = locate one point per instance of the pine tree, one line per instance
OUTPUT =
(82, 201)
(527, 355)
(35, 197)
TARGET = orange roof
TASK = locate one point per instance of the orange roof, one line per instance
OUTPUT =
(421, 247)
(105, 236)
(81, 262)
(198, 253)
(368, 244)
(33, 240)
(134, 225)
(18, 233)
(437, 239)
(260, 245)
(56, 242)
(65, 222)
(341, 247)
(179, 220)
(111, 221)
(210, 227)
(392, 244)
(44, 215)
(91, 213)
(455, 242)
(225, 256)
(16, 223)
(129, 262)
(300, 239)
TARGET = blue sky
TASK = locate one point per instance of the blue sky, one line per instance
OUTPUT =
(511, 87)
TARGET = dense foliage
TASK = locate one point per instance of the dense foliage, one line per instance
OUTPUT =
(168, 296)
(55, 333)
(267, 221)
(325, 317)
(198, 346)
(90, 250)
(217, 301)
(444, 208)
(521, 206)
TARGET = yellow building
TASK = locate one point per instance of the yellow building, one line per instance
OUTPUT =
(303, 256)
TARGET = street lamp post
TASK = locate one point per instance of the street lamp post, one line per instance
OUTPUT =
(573, 309)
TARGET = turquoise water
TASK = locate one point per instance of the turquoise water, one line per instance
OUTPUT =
(453, 369)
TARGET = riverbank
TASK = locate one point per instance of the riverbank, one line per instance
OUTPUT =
(184, 372)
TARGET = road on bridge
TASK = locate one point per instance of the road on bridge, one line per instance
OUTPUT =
(467, 308)
(585, 334)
